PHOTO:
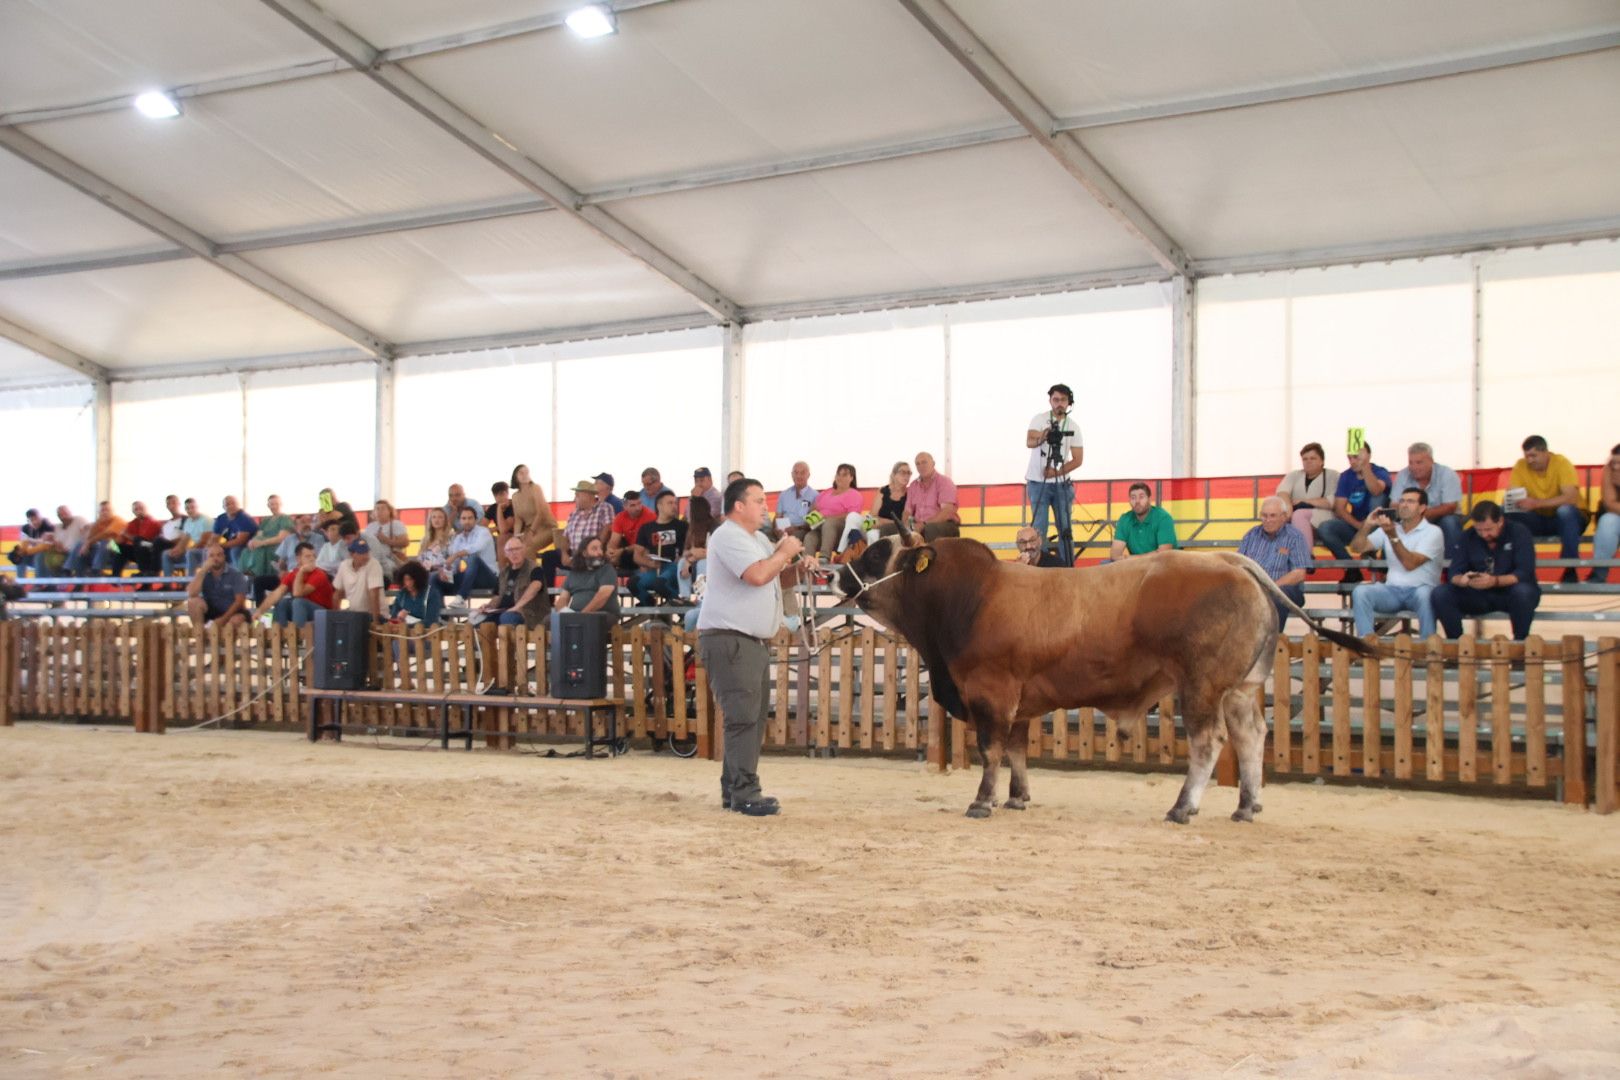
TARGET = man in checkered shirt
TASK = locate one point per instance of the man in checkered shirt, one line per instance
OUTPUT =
(1281, 550)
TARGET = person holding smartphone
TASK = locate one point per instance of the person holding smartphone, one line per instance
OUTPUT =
(1494, 570)
(1415, 548)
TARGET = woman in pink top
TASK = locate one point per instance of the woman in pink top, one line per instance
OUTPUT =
(840, 510)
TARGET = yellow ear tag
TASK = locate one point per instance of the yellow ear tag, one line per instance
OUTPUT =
(923, 560)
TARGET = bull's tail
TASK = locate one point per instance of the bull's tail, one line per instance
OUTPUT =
(1272, 589)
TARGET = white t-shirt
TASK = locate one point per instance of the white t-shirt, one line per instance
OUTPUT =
(1037, 457)
(171, 529)
(1426, 539)
(730, 603)
(380, 551)
(356, 585)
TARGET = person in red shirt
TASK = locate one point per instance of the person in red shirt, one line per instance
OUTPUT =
(138, 543)
(303, 590)
(626, 523)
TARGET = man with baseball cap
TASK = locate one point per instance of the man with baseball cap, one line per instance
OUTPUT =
(360, 581)
(604, 489)
(703, 486)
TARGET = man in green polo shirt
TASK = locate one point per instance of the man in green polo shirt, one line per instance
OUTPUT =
(1144, 528)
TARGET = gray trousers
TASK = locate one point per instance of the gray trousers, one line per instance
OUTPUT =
(740, 672)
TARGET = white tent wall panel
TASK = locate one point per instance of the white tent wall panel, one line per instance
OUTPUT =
(64, 52)
(1286, 359)
(487, 277)
(1525, 146)
(292, 154)
(697, 84)
(1550, 365)
(307, 429)
(1112, 347)
(442, 433)
(621, 414)
(167, 313)
(50, 435)
(985, 214)
(41, 218)
(177, 437)
(1070, 52)
(867, 398)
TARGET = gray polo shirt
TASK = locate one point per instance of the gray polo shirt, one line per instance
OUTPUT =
(729, 602)
(219, 591)
(1444, 485)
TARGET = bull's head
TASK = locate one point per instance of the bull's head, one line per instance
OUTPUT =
(891, 555)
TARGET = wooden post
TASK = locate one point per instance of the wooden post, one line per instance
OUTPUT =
(1574, 702)
(1282, 708)
(914, 730)
(891, 695)
(846, 690)
(1372, 717)
(1341, 712)
(936, 727)
(711, 734)
(1085, 736)
(1434, 716)
(1608, 719)
(1310, 715)
(869, 672)
(1467, 711)
(1403, 707)
(8, 682)
(1535, 714)
(822, 737)
(1501, 716)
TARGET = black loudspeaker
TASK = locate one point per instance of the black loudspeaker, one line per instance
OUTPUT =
(579, 653)
(341, 641)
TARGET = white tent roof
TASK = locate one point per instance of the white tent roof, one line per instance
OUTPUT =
(748, 159)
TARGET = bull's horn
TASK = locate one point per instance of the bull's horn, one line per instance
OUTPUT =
(907, 537)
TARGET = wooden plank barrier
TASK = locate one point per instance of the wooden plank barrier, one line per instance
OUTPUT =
(1469, 714)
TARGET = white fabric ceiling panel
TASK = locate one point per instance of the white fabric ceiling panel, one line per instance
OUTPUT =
(703, 83)
(387, 23)
(1084, 56)
(299, 153)
(41, 217)
(522, 273)
(168, 313)
(1532, 145)
(20, 365)
(985, 214)
(63, 52)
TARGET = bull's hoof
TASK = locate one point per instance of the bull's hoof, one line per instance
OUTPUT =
(1015, 804)
(1179, 815)
(1241, 814)
(978, 811)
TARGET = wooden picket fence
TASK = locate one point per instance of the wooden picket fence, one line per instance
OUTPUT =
(1532, 717)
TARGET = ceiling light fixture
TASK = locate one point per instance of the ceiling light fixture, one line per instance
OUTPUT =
(593, 21)
(157, 105)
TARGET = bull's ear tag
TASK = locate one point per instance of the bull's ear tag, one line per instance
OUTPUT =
(922, 561)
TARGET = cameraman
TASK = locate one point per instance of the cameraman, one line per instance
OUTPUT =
(1055, 451)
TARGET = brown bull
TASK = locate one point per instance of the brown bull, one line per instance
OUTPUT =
(1006, 643)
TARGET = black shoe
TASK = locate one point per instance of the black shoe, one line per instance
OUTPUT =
(1353, 577)
(1569, 576)
(763, 806)
(1599, 576)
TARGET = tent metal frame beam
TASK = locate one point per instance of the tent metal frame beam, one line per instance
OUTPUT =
(154, 220)
(50, 350)
(959, 40)
(451, 119)
(293, 72)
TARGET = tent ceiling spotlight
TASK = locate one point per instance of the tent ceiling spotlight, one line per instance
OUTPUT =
(157, 105)
(593, 21)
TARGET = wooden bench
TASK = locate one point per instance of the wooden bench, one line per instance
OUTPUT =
(442, 702)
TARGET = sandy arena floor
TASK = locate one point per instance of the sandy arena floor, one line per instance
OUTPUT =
(249, 904)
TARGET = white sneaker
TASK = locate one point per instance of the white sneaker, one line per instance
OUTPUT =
(455, 603)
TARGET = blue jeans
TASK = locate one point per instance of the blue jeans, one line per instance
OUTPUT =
(25, 563)
(1605, 541)
(1058, 499)
(295, 610)
(475, 575)
(1335, 535)
(510, 618)
(1368, 599)
(1565, 523)
(661, 582)
(171, 561)
(1451, 527)
(699, 568)
(88, 557)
